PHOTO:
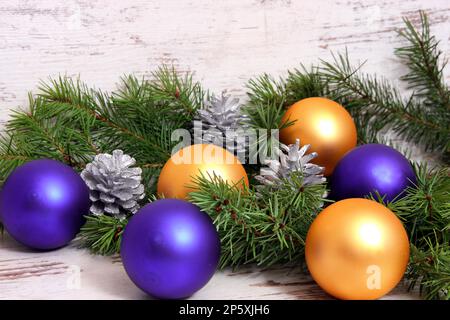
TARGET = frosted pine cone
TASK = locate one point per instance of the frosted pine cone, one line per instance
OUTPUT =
(226, 123)
(115, 188)
(291, 158)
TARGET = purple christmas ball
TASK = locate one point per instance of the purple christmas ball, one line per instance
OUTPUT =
(370, 168)
(170, 249)
(43, 203)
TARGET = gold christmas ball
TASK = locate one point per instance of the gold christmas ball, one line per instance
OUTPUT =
(357, 249)
(325, 125)
(176, 179)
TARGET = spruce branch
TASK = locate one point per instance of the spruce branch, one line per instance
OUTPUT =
(426, 64)
(264, 227)
(425, 211)
(266, 121)
(102, 234)
(429, 269)
(70, 122)
(305, 83)
(178, 91)
(266, 116)
(299, 84)
(264, 90)
(425, 208)
(35, 134)
(375, 100)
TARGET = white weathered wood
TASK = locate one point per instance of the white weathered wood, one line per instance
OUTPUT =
(224, 42)
(71, 273)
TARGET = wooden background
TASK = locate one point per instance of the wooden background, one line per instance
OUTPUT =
(224, 43)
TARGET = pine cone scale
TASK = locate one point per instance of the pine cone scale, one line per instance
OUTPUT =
(115, 188)
(220, 121)
(292, 159)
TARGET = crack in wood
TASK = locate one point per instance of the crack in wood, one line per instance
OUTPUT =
(36, 272)
(272, 283)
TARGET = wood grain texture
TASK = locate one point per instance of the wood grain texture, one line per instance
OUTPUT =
(224, 42)
(71, 273)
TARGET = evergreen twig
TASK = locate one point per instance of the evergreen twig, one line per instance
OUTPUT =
(102, 234)
(426, 64)
(429, 269)
(265, 226)
(425, 211)
(373, 100)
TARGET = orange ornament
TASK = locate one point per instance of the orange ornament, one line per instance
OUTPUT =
(325, 125)
(176, 179)
(357, 249)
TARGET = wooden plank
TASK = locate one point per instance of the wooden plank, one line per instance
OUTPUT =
(71, 273)
(224, 42)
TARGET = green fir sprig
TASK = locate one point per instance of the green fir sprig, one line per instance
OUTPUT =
(426, 65)
(425, 212)
(429, 268)
(72, 123)
(263, 226)
(102, 234)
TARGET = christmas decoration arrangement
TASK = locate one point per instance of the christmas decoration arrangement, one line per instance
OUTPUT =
(329, 193)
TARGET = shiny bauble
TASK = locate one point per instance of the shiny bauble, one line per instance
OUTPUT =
(43, 203)
(177, 177)
(371, 169)
(357, 249)
(325, 125)
(170, 249)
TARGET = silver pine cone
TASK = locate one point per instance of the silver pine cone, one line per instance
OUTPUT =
(291, 158)
(115, 187)
(220, 119)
